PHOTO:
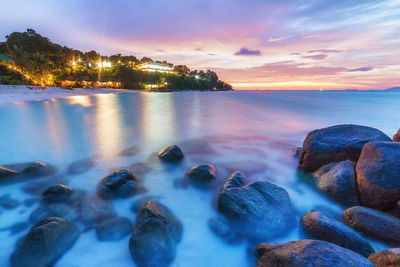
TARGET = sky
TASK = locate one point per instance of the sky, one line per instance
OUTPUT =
(252, 44)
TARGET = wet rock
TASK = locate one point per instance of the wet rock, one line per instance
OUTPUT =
(386, 258)
(56, 193)
(171, 153)
(296, 152)
(335, 144)
(60, 210)
(38, 186)
(222, 228)
(9, 203)
(33, 169)
(308, 253)
(327, 228)
(378, 175)
(339, 182)
(114, 229)
(45, 243)
(396, 137)
(155, 237)
(6, 173)
(259, 210)
(201, 175)
(80, 166)
(95, 209)
(130, 151)
(374, 223)
(139, 203)
(119, 184)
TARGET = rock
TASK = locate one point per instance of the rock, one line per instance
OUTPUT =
(171, 153)
(113, 229)
(56, 193)
(45, 243)
(259, 210)
(6, 173)
(396, 137)
(201, 175)
(327, 228)
(296, 152)
(308, 253)
(139, 203)
(119, 184)
(9, 203)
(386, 258)
(18, 227)
(95, 209)
(80, 166)
(378, 175)
(335, 144)
(35, 169)
(374, 223)
(60, 210)
(339, 182)
(155, 237)
(130, 151)
(38, 186)
(222, 228)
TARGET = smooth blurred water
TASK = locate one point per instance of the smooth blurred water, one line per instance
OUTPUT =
(254, 131)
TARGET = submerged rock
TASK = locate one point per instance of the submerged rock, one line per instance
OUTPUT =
(113, 229)
(171, 153)
(130, 151)
(327, 228)
(259, 210)
(9, 203)
(95, 209)
(60, 210)
(38, 186)
(56, 193)
(201, 175)
(155, 237)
(222, 228)
(335, 144)
(378, 175)
(80, 166)
(308, 253)
(45, 243)
(374, 223)
(339, 181)
(119, 184)
(386, 258)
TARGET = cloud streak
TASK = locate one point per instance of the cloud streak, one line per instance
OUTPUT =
(247, 52)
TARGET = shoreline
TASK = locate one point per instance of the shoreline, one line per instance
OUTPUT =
(20, 93)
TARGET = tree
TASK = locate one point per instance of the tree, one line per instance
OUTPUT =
(40, 61)
(181, 69)
(21, 59)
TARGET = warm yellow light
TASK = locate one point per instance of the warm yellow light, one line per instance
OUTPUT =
(73, 63)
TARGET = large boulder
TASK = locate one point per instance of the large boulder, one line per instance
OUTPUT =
(114, 229)
(386, 258)
(378, 175)
(304, 253)
(335, 144)
(119, 184)
(201, 175)
(396, 137)
(45, 243)
(171, 153)
(327, 228)
(339, 181)
(155, 237)
(374, 223)
(56, 193)
(257, 211)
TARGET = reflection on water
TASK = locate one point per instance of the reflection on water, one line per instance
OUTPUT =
(251, 131)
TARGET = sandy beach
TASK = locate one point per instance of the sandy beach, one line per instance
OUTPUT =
(18, 93)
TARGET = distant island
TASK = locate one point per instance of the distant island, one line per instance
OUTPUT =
(28, 58)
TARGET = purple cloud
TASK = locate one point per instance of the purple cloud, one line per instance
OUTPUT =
(247, 52)
(324, 51)
(361, 69)
(316, 57)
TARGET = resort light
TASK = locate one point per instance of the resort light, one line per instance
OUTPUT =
(197, 76)
(73, 63)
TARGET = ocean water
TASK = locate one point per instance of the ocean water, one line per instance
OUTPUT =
(252, 131)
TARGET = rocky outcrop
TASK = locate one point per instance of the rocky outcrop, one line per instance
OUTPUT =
(396, 137)
(114, 229)
(378, 175)
(155, 237)
(386, 258)
(327, 228)
(56, 193)
(201, 175)
(257, 211)
(335, 144)
(45, 243)
(339, 181)
(374, 223)
(119, 184)
(171, 153)
(308, 253)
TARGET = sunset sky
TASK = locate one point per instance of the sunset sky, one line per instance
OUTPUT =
(263, 44)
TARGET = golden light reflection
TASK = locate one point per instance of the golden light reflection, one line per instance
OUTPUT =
(55, 125)
(84, 101)
(108, 127)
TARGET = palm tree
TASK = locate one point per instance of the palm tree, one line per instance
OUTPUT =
(21, 59)
(40, 60)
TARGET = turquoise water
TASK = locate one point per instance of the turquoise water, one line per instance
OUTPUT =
(254, 131)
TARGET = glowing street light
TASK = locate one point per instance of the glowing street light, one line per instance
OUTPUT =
(73, 63)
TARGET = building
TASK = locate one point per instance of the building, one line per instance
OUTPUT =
(67, 81)
(152, 67)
